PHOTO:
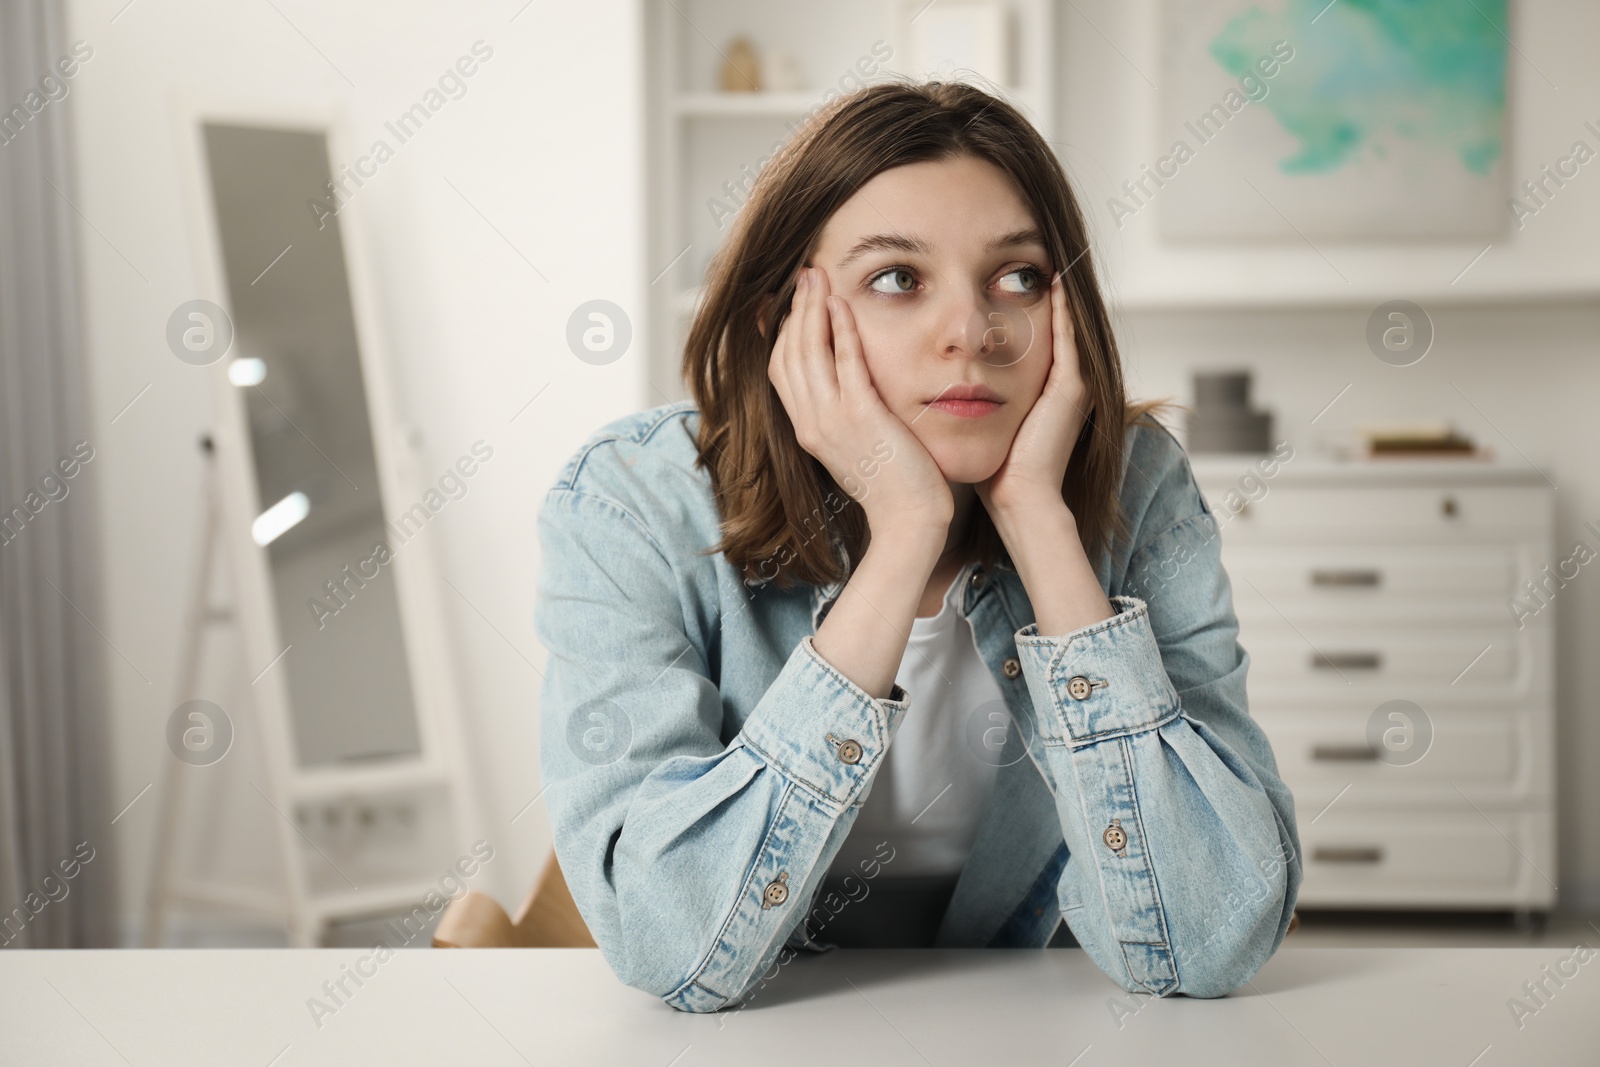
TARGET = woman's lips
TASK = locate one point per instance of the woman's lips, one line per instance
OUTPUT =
(966, 409)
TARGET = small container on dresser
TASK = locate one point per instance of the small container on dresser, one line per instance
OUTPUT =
(1409, 705)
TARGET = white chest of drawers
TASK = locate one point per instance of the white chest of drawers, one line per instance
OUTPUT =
(1362, 583)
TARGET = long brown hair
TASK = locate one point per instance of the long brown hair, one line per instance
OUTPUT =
(775, 499)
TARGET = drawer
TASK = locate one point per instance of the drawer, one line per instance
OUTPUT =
(1490, 755)
(1390, 857)
(1378, 581)
(1319, 660)
(1393, 512)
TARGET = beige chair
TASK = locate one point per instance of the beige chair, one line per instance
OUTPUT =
(549, 918)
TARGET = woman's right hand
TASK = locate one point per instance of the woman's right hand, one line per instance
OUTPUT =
(821, 376)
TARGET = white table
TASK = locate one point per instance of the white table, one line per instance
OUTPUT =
(1314, 1006)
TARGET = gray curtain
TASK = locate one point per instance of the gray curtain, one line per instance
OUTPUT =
(57, 877)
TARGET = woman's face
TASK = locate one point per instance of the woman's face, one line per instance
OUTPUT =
(948, 280)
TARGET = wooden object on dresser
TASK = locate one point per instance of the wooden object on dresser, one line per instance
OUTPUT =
(1364, 582)
(548, 918)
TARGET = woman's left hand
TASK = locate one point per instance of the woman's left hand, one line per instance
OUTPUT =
(1033, 470)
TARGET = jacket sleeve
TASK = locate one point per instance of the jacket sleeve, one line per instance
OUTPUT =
(1184, 859)
(690, 854)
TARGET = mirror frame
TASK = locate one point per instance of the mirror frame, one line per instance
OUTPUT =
(429, 653)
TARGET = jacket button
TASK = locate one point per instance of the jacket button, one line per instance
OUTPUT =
(850, 751)
(1116, 839)
(1011, 668)
(1078, 687)
(977, 577)
(776, 892)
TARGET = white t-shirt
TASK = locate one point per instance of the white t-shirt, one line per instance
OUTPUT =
(928, 795)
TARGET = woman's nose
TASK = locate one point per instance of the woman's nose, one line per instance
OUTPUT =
(963, 324)
(975, 325)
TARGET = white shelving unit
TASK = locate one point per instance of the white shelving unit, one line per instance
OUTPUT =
(699, 137)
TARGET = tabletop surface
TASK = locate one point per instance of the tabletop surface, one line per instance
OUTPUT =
(1320, 1006)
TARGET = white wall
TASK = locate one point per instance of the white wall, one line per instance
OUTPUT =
(544, 143)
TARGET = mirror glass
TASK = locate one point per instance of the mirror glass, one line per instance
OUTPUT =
(320, 511)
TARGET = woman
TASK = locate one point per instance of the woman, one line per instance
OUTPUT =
(765, 725)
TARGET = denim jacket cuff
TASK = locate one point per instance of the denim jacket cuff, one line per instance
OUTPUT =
(1101, 681)
(825, 732)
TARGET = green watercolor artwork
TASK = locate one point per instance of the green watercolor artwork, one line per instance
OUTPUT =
(1388, 119)
(1431, 70)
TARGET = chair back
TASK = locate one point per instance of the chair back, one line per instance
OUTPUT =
(548, 918)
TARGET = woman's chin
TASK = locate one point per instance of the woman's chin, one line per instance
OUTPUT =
(964, 469)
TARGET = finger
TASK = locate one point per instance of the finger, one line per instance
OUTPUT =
(818, 361)
(1065, 342)
(1060, 321)
(795, 347)
(1062, 367)
(781, 366)
(777, 370)
(1067, 330)
(775, 361)
(849, 360)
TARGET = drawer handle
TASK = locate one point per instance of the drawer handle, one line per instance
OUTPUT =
(1347, 854)
(1343, 752)
(1334, 661)
(1347, 578)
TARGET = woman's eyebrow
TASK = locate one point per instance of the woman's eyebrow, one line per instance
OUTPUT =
(899, 242)
(1026, 236)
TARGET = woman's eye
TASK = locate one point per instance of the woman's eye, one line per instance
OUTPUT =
(898, 280)
(1029, 281)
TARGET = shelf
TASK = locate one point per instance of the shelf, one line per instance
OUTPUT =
(236, 897)
(380, 776)
(1223, 468)
(744, 105)
(1219, 293)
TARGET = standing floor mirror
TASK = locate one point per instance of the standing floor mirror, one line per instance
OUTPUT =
(349, 684)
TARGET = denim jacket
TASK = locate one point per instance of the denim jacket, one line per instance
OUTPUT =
(703, 763)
